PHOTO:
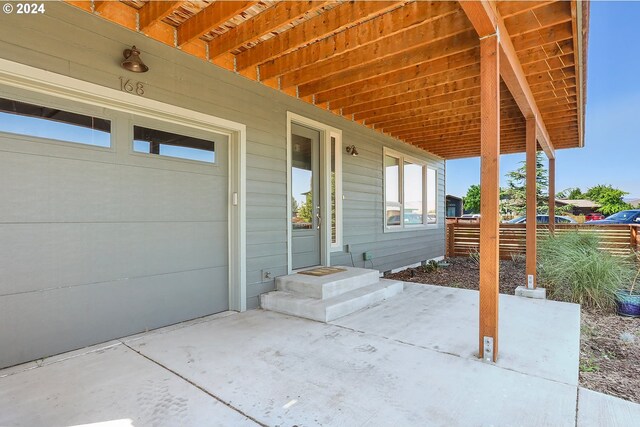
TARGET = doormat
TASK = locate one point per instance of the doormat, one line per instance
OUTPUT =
(322, 271)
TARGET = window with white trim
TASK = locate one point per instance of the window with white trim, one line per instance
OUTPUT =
(41, 121)
(410, 192)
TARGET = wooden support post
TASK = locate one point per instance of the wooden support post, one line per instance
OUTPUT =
(634, 237)
(532, 202)
(489, 193)
(552, 195)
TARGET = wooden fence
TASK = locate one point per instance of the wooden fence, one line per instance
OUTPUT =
(463, 237)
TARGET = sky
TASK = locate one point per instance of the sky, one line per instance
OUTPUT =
(612, 136)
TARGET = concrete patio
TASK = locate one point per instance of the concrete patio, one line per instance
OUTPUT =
(406, 361)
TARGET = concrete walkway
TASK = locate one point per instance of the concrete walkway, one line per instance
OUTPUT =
(407, 361)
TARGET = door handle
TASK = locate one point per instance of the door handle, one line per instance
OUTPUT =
(319, 218)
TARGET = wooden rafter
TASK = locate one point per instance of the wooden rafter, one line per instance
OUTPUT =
(277, 16)
(311, 30)
(433, 51)
(409, 69)
(209, 18)
(387, 24)
(412, 39)
(155, 11)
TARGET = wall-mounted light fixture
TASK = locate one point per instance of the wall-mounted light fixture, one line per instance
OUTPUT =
(351, 149)
(133, 62)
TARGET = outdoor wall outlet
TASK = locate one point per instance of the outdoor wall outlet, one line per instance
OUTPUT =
(367, 256)
(347, 248)
(266, 275)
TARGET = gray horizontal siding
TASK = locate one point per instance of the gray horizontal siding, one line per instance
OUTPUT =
(71, 42)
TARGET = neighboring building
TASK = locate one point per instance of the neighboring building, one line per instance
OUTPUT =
(251, 148)
(454, 206)
(579, 206)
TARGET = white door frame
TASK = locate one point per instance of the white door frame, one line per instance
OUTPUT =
(45, 82)
(326, 132)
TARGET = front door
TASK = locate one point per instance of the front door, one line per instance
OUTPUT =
(306, 220)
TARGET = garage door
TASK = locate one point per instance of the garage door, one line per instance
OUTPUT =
(110, 224)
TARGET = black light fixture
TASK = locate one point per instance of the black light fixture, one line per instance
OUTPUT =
(351, 149)
(132, 61)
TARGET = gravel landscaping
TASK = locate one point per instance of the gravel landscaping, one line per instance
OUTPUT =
(609, 344)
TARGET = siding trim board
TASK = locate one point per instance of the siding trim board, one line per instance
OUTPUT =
(24, 77)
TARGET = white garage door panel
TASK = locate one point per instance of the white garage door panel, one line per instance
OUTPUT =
(53, 255)
(79, 316)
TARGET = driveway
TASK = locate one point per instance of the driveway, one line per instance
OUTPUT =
(407, 361)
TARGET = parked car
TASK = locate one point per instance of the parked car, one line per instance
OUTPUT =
(543, 219)
(595, 216)
(631, 216)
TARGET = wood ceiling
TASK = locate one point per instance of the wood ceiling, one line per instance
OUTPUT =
(409, 69)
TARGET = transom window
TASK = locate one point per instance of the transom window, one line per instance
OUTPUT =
(410, 192)
(169, 144)
(52, 123)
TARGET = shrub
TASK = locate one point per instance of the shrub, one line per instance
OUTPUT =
(573, 269)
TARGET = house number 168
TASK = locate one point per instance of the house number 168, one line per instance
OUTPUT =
(126, 85)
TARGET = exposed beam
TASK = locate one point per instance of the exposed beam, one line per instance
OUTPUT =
(541, 17)
(424, 34)
(385, 25)
(311, 30)
(117, 12)
(438, 49)
(271, 19)
(448, 78)
(486, 21)
(489, 197)
(155, 11)
(403, 75)
(531, 175)
(212, 16)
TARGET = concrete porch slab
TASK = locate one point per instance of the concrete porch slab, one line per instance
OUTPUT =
(601, 410)
(537, 337)
(282, 371)
(290, 371)
(111, 384)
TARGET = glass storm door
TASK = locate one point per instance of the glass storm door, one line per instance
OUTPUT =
(306, 220)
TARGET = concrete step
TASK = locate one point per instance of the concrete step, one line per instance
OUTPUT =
(323, 287)
(327, 310)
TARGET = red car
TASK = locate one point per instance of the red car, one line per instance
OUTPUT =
(593, 216)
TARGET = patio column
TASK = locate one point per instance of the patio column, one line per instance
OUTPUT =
(532, 202)
(489, 195)
(552, 195)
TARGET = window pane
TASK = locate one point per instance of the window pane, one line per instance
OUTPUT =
(432, 192)
(44, 122)
(413, 191)
(302, 202)
(334, 233)
(392, 189)
(169, 144)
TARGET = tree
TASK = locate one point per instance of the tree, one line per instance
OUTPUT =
(514, 196)
(471, 201)
(294, 207)
(305, 211)
(571, 194)
(609, 198)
